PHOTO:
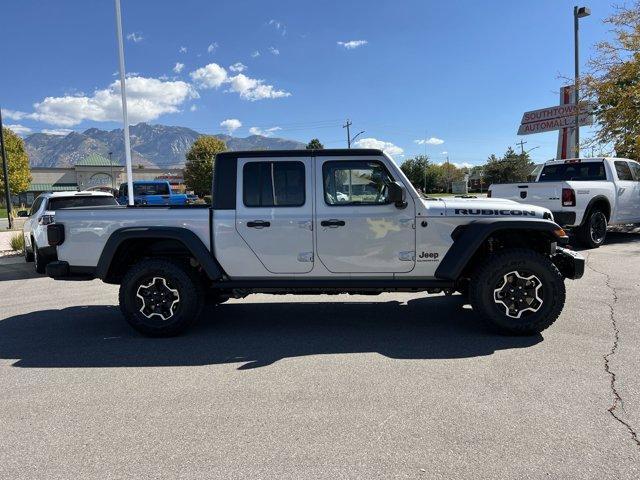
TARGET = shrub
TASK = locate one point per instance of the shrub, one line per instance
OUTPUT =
(17, 242)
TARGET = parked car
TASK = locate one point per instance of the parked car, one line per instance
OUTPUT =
(152, 192)
(327, 221)
(43, 212)
(585, 195)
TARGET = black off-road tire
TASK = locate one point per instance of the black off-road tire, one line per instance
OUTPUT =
(39, 260)
(179, 277)
(489, 275)
(590, 233)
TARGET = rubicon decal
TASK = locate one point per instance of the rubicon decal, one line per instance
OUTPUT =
(483, 211)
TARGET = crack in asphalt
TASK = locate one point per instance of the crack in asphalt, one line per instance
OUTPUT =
(617, 399)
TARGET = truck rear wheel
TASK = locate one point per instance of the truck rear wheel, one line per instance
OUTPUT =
(593, 231)
(517, 291)
(160, 297)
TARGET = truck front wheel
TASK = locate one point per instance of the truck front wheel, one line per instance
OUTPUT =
(160, 297)
(517, 291)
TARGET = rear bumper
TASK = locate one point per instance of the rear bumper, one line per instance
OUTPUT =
(60, 270)
(564, 219)
(570, 263)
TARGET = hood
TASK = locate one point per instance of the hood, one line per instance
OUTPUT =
(491, 207)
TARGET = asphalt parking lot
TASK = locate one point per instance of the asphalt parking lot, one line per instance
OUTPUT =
(394, 386)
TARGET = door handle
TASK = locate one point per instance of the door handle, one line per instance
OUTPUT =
(258, 224)
(333, 223)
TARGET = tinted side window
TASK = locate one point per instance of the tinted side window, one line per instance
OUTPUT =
(635, 170)
(273, 184)
(355, 183)
(623, 171)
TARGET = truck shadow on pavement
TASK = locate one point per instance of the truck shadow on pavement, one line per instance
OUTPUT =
(254, 335)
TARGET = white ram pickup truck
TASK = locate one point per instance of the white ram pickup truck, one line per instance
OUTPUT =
(583, 194)
(317, 222)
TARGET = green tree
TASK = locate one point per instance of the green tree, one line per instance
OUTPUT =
(198, 169)
(613, 83)
(314, 144)
(17, 164)
(512, 167)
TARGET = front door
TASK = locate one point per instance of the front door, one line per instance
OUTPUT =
(274, 212)
(358, 230)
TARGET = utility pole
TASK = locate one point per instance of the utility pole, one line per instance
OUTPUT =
(521, 143)
(5, 171)
(347, 125)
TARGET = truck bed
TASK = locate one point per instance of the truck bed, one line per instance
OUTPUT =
(87, 229)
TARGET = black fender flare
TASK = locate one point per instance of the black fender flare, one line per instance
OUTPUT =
(470, 238)
(189, 239)
(590, 205)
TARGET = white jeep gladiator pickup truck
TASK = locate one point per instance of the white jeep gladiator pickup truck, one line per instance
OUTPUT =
(583, 194)
(317, 222)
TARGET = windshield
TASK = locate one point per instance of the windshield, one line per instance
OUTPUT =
(573, 171)
(80, 201)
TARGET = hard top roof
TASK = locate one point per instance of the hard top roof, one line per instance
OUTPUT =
(328, 152)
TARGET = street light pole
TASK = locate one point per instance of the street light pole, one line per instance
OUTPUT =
(578, 12)
(123, 91)
(5, 171)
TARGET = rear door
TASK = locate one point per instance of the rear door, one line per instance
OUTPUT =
(626, 192)
(635, 171)
(357, 229)
(274, 211)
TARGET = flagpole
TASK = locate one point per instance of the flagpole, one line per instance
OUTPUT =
(123, 91)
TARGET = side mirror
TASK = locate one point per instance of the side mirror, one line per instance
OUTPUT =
(397, 195)
(23, 213)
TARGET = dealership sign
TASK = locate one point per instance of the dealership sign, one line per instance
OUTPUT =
(561, 117)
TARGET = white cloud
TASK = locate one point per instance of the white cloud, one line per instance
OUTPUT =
(193, 108)
(19, 129)
(178, 67)
(387, 147)
(147, 99)
(214, 76)
(238, 67)
(183, 50)
(15, 114)
(253, 89)
(231, 124)
(444, 153)
(274, 51)
(255, 54)
(135, 37)
(430, 141)
(459, 165)
(267, 132)
(209, 76)
(212, 47)
(56, 131)
(279, 26)
(351, 44)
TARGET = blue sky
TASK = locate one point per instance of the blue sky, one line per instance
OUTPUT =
(457, 72)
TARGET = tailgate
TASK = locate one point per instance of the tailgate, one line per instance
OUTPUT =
(541, 194)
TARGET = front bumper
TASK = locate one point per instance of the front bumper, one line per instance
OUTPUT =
(570, 263)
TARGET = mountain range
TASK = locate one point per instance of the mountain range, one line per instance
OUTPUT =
(160, 146)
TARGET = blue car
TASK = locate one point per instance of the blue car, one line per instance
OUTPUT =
(152, 192)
